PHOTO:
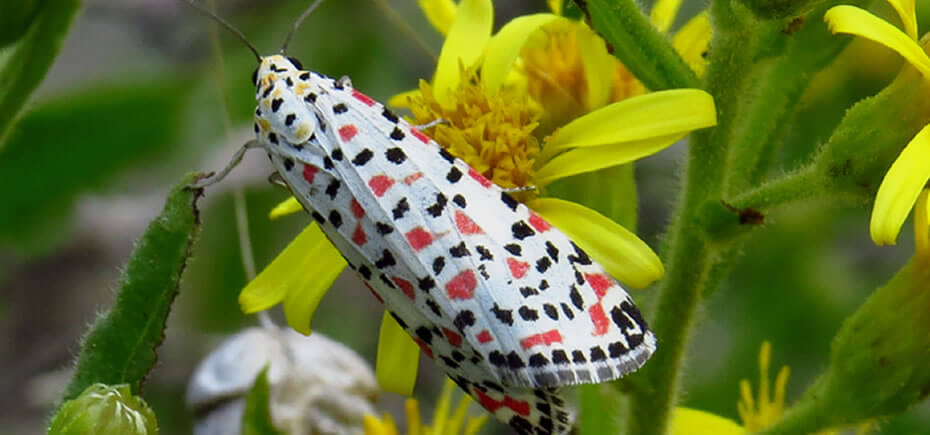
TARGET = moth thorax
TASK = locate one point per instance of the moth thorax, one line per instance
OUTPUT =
(283, 111)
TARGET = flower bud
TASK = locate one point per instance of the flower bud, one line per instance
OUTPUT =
(104, 410)
(317, 385)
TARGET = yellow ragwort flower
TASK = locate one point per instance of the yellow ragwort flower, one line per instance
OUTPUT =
(757, 413)
(491, 121)
(908, 175)
(454, 423)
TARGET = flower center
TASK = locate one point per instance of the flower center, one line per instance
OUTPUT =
(493, 134)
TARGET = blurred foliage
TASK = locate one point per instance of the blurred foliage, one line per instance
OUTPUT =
(80, 143)
(38, 28)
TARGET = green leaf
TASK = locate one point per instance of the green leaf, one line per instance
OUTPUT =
(32, 56)
(79, 143)
(256, 420)
(121, 345)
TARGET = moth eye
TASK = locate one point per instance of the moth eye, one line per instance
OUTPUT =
(255, 77)
(296, 63)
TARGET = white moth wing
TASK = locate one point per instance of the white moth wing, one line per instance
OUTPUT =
(540, 312)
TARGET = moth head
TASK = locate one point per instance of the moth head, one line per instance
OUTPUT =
(274, 67)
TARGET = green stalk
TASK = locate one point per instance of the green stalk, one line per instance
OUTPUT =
(645, 51)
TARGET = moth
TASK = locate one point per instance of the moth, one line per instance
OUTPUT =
(506, 304)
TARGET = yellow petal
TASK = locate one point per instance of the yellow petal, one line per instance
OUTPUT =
(474, 424)
(504, 48)
(398, 356)
(457, 419)
(464, 44)
(686, 421)
(855, 21)
(905, 10)
(286, 207)
(598, 67)
(441, 411)
(646, 116)
(663, 14)
(439, 13)
(623, 255)
(286, 273)
(371, 425)
(922, 225)
(581, 160)
(402, 100)
(900, 188)
(692, 40)
(414, 421)
(555, 6)
(319, 266)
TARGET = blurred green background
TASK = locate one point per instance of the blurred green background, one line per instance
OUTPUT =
(134, 101)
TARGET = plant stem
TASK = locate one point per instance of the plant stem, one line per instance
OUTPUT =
(645, 51)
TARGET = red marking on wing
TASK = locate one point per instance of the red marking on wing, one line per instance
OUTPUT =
(424, 347)
(544, 338)
(519, 406)
(380, 184)
(484, 336)
(419, 238)
(462, 286)
(378, 297)
(410, 179)
(363, 98)
(310, 172)
(357, 209)
(479, 178)
(454, 338)
(599, 282)
(347, 132)
(405, 286)
(358, 236)
(539, 223)
(465, 224)
(417, 134)
(517, 268)
(599, 319)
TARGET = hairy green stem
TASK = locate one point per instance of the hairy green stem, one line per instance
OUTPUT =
(645, 51)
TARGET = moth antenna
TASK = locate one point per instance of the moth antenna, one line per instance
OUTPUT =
(225, 24)
(297, 23)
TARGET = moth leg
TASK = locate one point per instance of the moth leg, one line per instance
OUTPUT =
(519, 189)
(219, 176)
(344, 81)
(432, 123)
(276, 179)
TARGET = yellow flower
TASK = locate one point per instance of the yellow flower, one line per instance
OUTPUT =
(491, 121)
(757, 413)
(443, 422)
(766, 409)
(908, 175)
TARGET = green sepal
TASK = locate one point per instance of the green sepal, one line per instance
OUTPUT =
(120, 347)
(256, 419)
(879, 360)
(872, 134)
